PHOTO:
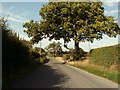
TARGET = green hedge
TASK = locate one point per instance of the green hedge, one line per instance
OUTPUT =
(18, 56)
(105, 56)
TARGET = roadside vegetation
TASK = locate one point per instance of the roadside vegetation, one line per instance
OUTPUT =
(103, 62)
(100, 71)
(80, 22)
(77, 21)
(106, 56)
(54, 49)
(18, 57)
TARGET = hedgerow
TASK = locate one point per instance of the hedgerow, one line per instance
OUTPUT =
(106, 56)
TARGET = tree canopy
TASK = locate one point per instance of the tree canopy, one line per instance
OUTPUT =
(80, 21)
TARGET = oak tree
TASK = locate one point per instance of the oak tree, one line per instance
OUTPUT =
(80, 21)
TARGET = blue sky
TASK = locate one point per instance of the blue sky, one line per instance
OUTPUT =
(20, 12)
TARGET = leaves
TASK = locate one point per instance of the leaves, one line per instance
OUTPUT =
(84, 21)
(106, 56)
(54, 48)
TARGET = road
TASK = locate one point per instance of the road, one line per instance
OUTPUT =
(56, 75)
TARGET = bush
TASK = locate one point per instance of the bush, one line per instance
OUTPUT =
(35, 54)
(18, 56)
(50, 54)
(81, 53)
(66, 56)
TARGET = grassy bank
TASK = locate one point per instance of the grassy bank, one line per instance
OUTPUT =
(111, 75)
(94, 69)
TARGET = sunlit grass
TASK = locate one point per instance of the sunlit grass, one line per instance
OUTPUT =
(109, 74)
(96, 69)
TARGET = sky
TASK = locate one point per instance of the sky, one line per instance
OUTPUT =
(19, 12)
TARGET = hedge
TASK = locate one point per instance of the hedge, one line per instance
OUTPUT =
(106, 56)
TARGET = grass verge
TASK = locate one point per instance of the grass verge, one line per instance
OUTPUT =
(111, 75)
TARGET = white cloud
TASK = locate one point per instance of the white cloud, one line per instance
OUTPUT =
(12, 15)
(110, 2)
(112, 11)
(24, 37)
(16, 20)
(12, 26)
(25, 0)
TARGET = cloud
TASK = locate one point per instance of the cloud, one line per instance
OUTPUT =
(25, 0)
(12, 26)
(13, 16)
(112, 11)
(110, 2)
(24, 37)
(16, 20)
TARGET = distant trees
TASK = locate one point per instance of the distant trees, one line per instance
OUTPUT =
(54, 48)
(39, 53)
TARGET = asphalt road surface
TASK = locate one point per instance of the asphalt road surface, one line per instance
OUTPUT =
(56, 75)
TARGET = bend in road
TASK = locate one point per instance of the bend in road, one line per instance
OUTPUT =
(56, 75)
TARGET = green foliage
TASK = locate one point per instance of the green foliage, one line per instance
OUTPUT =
(106, 56)
(66, 56)
(39, 51)
(80, 21)
(14, 50)
(35, 54)
(65, 52)
(50, 54)
(81, 53)
(111, 75)
(17, 56)
(54, 48)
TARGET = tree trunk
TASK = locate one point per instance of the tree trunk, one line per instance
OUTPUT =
(76, 45)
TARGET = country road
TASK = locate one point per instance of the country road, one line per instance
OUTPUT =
(56, 75)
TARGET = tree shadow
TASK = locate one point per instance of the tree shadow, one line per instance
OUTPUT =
(44, 77)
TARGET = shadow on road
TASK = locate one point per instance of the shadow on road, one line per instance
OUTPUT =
(44, 77)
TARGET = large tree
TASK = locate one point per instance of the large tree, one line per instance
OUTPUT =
(80, 21)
